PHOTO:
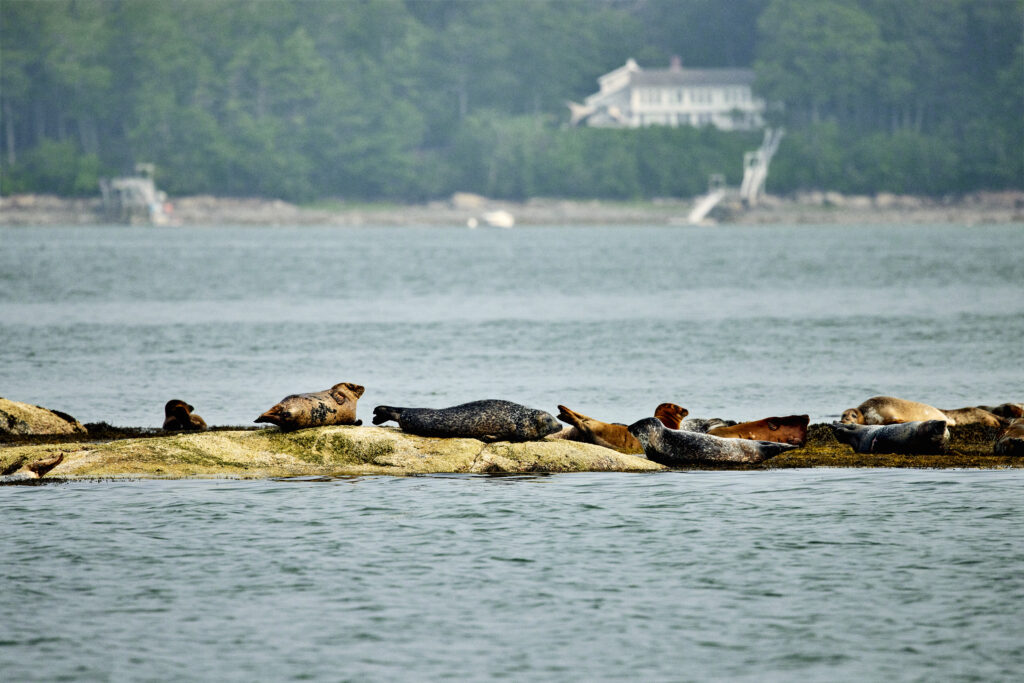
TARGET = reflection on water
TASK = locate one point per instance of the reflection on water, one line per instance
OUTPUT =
(738, 322)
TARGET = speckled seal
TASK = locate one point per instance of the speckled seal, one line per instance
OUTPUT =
(703, 425)
(335, 406)
(178, 416)
(919, 437)
(487, 420)
(677, 448)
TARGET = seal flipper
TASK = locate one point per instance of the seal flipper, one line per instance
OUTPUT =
(382, 414)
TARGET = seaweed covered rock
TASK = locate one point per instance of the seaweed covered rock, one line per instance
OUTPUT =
(23, 418)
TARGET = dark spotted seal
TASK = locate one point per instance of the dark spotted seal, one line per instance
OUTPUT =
(335, 406)
(1011, 441)
(886, 410)
(920, 437)
(676, 448)
(178, 416)
(488, 420)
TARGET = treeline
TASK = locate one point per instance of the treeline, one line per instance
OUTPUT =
(414, 99)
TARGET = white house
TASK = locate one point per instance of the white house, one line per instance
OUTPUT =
(631, 97)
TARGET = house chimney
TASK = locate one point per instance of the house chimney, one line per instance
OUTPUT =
(676, 64)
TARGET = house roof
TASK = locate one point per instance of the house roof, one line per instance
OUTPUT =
(682, 77)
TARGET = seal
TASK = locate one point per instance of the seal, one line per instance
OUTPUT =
(886, 410)
(178, 416)
(788, 429)
(670, 414)
(1011, 441)
(588, 430)
(41, 467)
(487, 420)
(919, 437)
(703, 425)
(1007, 410)
(335, 406)
(973, 416)
(676, 448)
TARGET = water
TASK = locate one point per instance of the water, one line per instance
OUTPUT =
(795, 575)
(739, 322)
(810, 575)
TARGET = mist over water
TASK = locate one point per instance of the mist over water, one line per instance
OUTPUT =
(731, 321)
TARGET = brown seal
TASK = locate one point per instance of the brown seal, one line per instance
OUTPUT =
(886, 410)
(670, 414)
(973, 416)
(178, 416)
(788, 429)
(921, 436)
(335, 406)
(1007, 410)
(41, 467)
(1011, 441)
(677, 448)
(588, 430)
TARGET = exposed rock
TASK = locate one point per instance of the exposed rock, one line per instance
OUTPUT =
(336, 450)
(22, 418)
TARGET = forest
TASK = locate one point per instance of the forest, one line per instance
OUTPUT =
(410, 100)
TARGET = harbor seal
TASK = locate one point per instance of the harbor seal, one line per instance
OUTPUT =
(487, 420)
(335, 406)
(676, 448)
(919, 437)
(41, 467)
(788, 429)
(1011, 441)
(886, 410)
(1007, 410)
(670, 414)
(588, 430)
(703, 425)
(178, 416)
(973, 416)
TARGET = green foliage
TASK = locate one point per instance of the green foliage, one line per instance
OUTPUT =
(406, 100)
(58, 168)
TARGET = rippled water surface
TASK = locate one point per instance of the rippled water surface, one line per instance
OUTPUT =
(792, 575)
(797, 575)
(737, 322)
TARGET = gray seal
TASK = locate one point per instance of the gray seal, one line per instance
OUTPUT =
(704, 424)
(921, 437)
(488, 420)
(678, 448)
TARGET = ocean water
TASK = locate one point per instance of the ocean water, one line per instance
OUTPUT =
(826, 575)
(109, 323)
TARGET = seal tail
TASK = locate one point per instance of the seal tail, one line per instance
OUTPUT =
(568, 416)
(382, 414)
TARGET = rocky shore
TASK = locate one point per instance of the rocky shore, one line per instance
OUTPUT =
(358, 451)
(807, 208)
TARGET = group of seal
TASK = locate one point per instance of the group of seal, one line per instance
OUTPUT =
(882, 424)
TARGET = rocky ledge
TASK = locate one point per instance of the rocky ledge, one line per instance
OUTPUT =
(348, 451)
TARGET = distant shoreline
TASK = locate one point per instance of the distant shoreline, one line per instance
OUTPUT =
(814, 208)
